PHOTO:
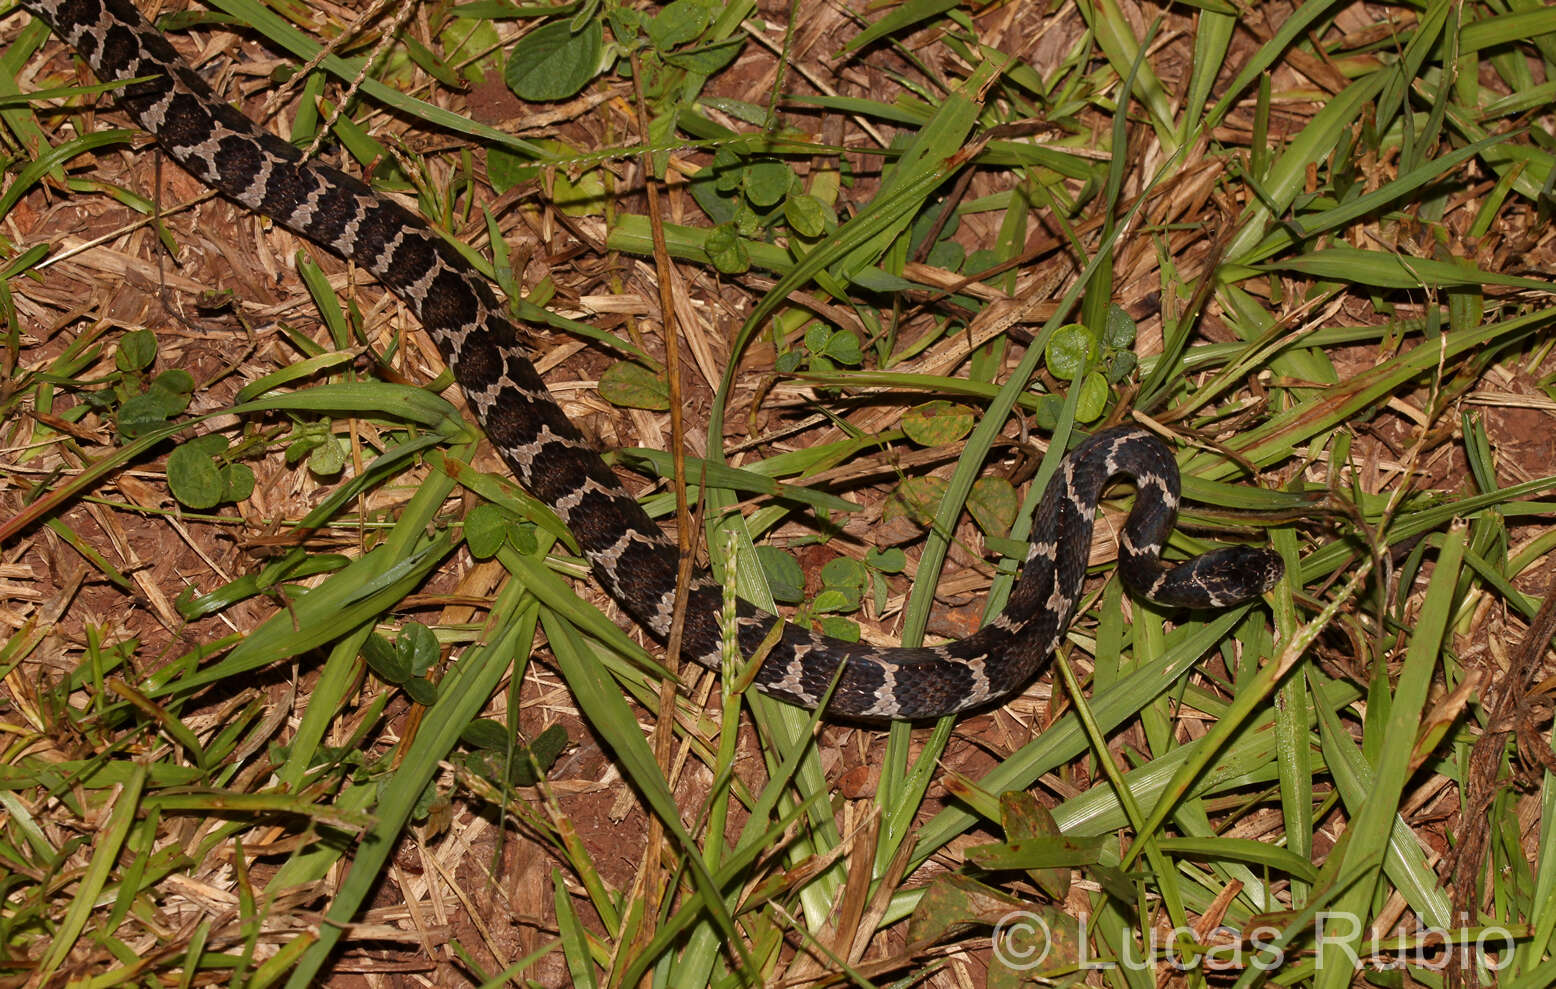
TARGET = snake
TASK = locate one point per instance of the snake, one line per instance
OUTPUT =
(630, 556)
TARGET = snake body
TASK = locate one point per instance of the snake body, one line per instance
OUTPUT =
(629, 554)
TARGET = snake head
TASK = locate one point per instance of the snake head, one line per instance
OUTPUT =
(1221, 578)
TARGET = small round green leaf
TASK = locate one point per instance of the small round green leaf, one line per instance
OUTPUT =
(707, 59)
(1119, 332)
(552, 63)
(843, 347)
(168, 404)
(421, 690)
(482, 763)
(1048, 409)
(816, 337)
(834, 627)
(1069, 349)
(530, 763)
(784, 577)
(239, 480)
(938, 423)
(892, 560)
(677, 23)
(137, 350)
(210, 444)
(484, 733)
(728, 169)
(418, 646)
(767, 182)
(747, 223)
(328, 458)
(878, 591)
(140, 414)
(982, 260)
(835, 599)
(584, 196)
(634, 386)
(548, 745)
(1093, 400)
(719, 203)
(522, 536)
(726, 250)
(807, 215)
(1120, 365)
(486, 529)
(175, 381)
(194, 478)
(627, 24)
(505, 169)
(993, 503)
(916, 498)
(385, 660)
(299, 449)
(843, 572)
(947, 254)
